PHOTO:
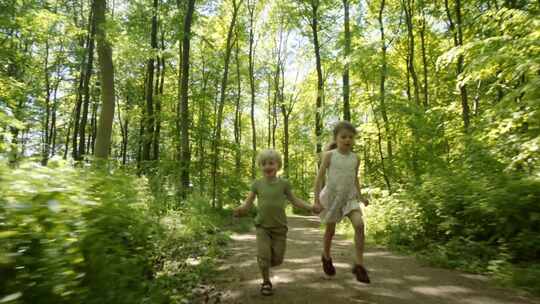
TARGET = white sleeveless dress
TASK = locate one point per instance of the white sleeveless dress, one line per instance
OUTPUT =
(339, 196)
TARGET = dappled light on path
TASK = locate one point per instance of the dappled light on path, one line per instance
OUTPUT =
(395, 278)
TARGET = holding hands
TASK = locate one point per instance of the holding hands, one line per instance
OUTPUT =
(239, 211)
(363, 199)
(317, 207)
(366, 202)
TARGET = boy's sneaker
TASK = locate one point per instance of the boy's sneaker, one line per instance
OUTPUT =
(266, 289)
(327, 266)
(361, 274)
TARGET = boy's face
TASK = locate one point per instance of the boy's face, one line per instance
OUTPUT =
(345, 140)
(270, 168)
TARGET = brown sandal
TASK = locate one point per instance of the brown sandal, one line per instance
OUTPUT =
(328, 267)
(266, 289)
(361, 274)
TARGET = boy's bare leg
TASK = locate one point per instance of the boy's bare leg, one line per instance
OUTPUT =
(359, 235)
(328, 235)
(264, 252)
(265, 273)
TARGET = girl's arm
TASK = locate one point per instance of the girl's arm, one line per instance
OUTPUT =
(244, 208)
(358, 189)
(320, 176)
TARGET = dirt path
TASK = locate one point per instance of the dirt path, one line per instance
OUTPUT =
(395, 279)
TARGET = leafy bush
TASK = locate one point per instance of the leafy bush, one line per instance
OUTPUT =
(392, 219)
(85, 236)
(474, 216)
(42, 224)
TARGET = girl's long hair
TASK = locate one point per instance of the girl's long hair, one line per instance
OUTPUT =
(342, 125)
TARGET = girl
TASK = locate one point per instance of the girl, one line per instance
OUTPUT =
(340, 196)
(271, 221)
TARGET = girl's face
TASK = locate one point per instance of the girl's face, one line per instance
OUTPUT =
(345, 140)
(270, 168)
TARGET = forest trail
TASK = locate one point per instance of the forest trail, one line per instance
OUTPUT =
(395, 279)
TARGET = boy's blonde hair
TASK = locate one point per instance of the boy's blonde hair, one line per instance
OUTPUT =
(269, 154)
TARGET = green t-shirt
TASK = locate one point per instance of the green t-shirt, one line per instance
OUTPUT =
(271, 201)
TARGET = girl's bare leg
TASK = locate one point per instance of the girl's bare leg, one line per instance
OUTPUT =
(328, 235)
(359, 235)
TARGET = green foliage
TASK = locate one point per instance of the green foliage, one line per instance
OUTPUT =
(120, 243)
(87, 236)
(42, 230)
(464, 198)
(467, 199)
(195, 238)
(392, 219)
(471, 216)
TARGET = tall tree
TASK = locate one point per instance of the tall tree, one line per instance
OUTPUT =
(83, 81)
(382, 96)
(408, 8)
(104, 131)
(216, 197)
(347, 54)
(238, 111)
(424, 57)
(86, 90)
(45, 138)
(124, 129)
(456, 28)
(158, 91)
(149, 118)
(185, 154)
(251, 59)
(314, 24)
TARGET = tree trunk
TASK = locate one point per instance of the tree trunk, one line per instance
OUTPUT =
(159, 93)
(45, 136)
(463, 88)
(149, 90)
(320, 85)
(78, 105)
(68, 134)
(286, 112)
(407, 5)
(202, 127)
(381, 154)
(286, 144)
(124, 128)
(92, 144)
(53, 133)
(86, 90)
(140, 144)
(424, 60)
(346, 89)
(216, 192)
(157, 108)
(185, 154)
(269, 109)
(251, 9)
(457, 34)
(103, 138)
(382, 98)
(275, 99)
(76, 119)
(237, 113)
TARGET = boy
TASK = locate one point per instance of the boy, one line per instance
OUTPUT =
(271, 221)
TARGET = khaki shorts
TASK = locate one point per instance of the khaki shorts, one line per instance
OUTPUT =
(271, 244)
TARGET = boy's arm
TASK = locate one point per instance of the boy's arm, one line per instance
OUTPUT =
(297, 202)
(358, 189)
(244, 208)
(320, 176)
